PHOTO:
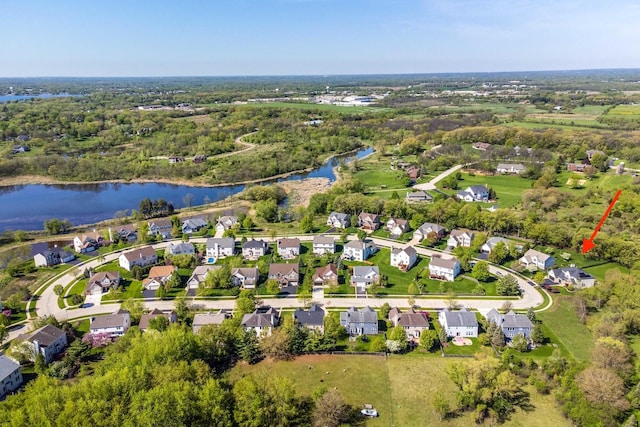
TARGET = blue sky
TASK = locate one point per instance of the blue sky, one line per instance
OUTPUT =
(283, 37)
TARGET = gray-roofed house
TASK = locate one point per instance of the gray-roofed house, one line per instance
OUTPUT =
(254, 249)
(203, 319)
(87, 242)
(510, 168)
(288, 248)
(141, 257)
(246, 277)
(114, 325)
(460, 323)
(102, 282)
(326, 276)
(53, 256)
(182, 248)
(126, 232)
(339, 220)
(311, 319)
(443, 269)
(261, 321)
(511, 323)
(48, 341)
(460, 237)
(412, 322)
(418, 197)
(533, 259)
(193, 225)
(199, 275)
(359, 250)
(324, 245)
(226, 222)
(397, 227)
(491, 243)
(161, 227)
(474, 193)
(572, 276)
(364, 276)
(431, 230)
(369, 221)
(220, 247)
(362, 321)
(285, 274)
(403, 258)
(146, 318)
(10, 375)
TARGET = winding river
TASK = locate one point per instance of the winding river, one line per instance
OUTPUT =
(26, 207)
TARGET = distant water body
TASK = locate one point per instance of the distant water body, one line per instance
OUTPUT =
(26, 207)
(9, 98)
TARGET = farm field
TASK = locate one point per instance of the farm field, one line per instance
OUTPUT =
(401, 388)
(625, 111)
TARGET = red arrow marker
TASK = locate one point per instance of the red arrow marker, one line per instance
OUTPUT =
(587, 244)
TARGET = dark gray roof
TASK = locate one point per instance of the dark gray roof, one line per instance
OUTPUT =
(46, 335)
(571, 272)
(223, 242)
(478, 188)
(409, 251)
(322, 239)
(340, 216)
(109, 320)
(513, 320)
(413, 319)
(255, 244)
(364, 315)
(361, 271)
(443, 263)
(314, 316)
(7, 366)
(260, 320)
(459, 318)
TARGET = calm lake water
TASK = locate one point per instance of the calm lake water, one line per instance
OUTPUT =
(8, 98)
(26, 207)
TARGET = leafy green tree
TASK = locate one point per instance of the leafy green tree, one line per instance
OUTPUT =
(398, 336)
(265, 401)
(531, 314)
(481, 271)
(495, 334)
(537, 336)
(135, 309)
(56, 226)
(499, 253)
(378, 344)
(267, 210)
(161, 292)
(58, 289)
(273, 287)
(520, 343)
(159, 323)
(277, 345)
(306, 224)
(441, 405)
(507, 285)
(247, 223)
(330, 410)
(428, 339)
(76, 299)
(245, 304)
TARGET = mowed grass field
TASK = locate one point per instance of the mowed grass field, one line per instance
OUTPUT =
(561, 318)
(508, 188)
(625, 111)
(401, 388)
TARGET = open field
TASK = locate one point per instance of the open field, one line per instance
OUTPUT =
(401, 388)
(600, 271)
(316, 107)
(625, 111)
(508, 188)
(563, 321)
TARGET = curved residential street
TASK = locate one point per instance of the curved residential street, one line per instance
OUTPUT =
(47, 304)
(431, 185)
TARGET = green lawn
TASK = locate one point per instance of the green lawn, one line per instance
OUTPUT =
(561, 320)
(401, 388)
(600, 271)
(508, 188)
(376, 172)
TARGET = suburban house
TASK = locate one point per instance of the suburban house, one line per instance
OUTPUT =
(254, 249)
(226, 222)
(161, 227)
(140, 257)
(475, 193)
(114, 325)
(203, 319)
(412, 322)
(397, 227)
(285, 274)
(460, 237)
(158, 276)
(536, 259)
(220, 247)
(362, 321)
(10, 375)
(413, 172)
(175, 159)
(591, 153)
(359, 250)
(199, 275)
(511, 323)
(363, 276)
(429, 229)
(310, 319)
(368, 221)
(460, 323)
(326, 276)
(339, 220)
(324, 245)
(102, 282)
(245, 277)
(17, 149)
(193, 225)
(572, 276)
(576, 167)
(491, 243)
(418, 196)
(48, 341)
(53, 256)
(183, 248)
(288, 248)
(443, 269)
(126, 232)
(482, 146)
(261, 321)
(510, 168)
(403, 258)
(88, 242)
(145, 319)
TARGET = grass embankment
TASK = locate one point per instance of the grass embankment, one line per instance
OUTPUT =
(561, 324)
(401, 388)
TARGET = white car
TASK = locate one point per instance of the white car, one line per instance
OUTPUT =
(372, 413)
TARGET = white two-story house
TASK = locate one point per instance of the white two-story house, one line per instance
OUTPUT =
(220, 247)
(324, 245)
(403, 258)
(444, 269)
(359, 250)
